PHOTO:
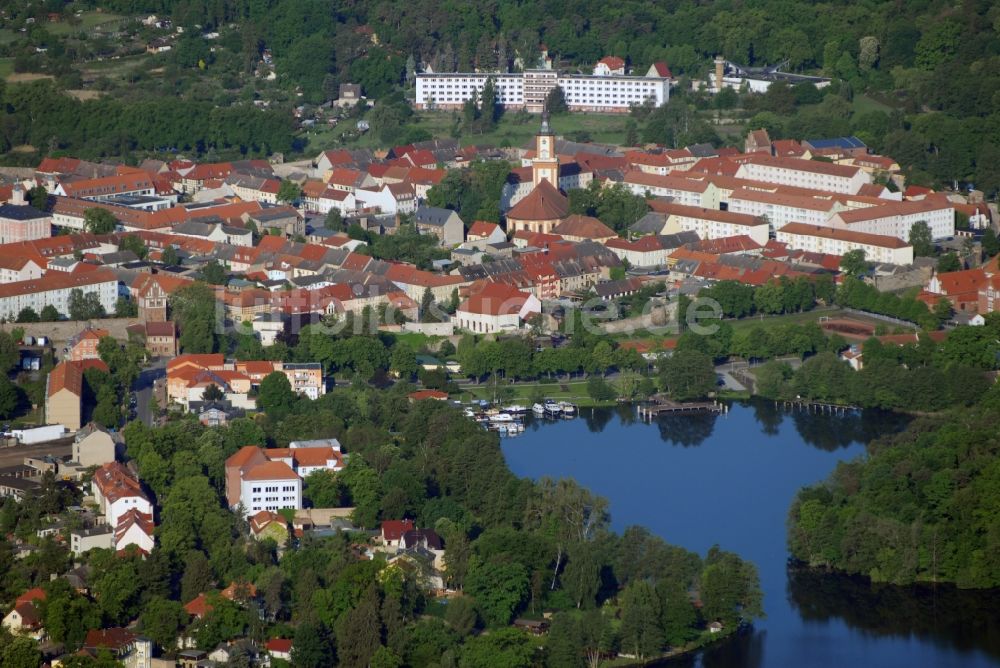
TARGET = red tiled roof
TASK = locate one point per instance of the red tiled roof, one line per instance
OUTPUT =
(814, 166)
(495, 299)
(428, 394)
(613, 62)
(66, 376)
(57, 280)
(116, 482)
(481, 228)
(394, 529)
(583, 226)
(33, 594)
(271, 471)
(114, 638)
(965, 281)
(198, 606)
(283, 645)
(544, 202)
(879, 240)
(662, 70)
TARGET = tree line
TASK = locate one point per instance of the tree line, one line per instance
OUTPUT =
(919, 508)
(514, 547)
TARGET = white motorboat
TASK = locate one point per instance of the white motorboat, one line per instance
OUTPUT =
(502, 429)
(515, 409)
(538, 409)
(553, 407)
(567, 408)
(502, 418)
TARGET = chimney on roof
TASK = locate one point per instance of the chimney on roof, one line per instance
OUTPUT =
(17, 198)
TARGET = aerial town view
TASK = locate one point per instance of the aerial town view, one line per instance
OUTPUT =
(526, 334)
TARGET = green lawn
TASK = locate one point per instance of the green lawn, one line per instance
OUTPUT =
(7, 35)
(88, 22)
(863, 103)
(575, 392)
(512, 130)
(771, 321)
(6, 67)
(416, 340)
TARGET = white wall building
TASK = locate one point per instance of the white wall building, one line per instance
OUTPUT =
(713, 223)
(271, 486)
(691, 192)
(896, 218)
(782, 209)
(821, 239)
(55, 288)
(812, 174)
(528, 90)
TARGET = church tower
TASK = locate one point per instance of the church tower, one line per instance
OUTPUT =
(545, 166)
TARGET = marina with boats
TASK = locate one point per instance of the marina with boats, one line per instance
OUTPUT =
(508, 420)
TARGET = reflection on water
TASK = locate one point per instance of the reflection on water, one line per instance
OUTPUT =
(731, 482)
(825, 430)
(957, 618)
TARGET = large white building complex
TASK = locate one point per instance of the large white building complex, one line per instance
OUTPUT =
(611, 92)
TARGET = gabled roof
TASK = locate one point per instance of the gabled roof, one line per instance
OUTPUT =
(662, 70)
(583, 226)
(544, 202)
(116, 482)
(796, 164)
(481, 228)
(283, 645)
(113, 639)
(33, 594)
(66, 376)
(495, 299)
(613, 62)
(824, 232)
(394, 529)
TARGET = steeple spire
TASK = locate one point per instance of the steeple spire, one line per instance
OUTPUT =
(545, 122)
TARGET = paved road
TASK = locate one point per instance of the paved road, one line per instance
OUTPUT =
(144, 389)
(15, 455)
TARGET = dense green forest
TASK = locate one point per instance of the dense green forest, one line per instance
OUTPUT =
(513, 546)
(916, 81)
(921, 507)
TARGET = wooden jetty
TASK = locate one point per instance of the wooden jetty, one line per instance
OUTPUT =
(816, 406)
(661, 406)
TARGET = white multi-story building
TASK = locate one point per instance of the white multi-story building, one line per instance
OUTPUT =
(896, 218)
(117, 492)
(812, 174)
(780, 208)
(270, 486)
(55, 288)
(529, 89)
(822, 239)
(713, 223)
(691, 192)
(271, 479)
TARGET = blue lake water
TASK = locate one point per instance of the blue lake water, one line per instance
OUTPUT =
(698, 480)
